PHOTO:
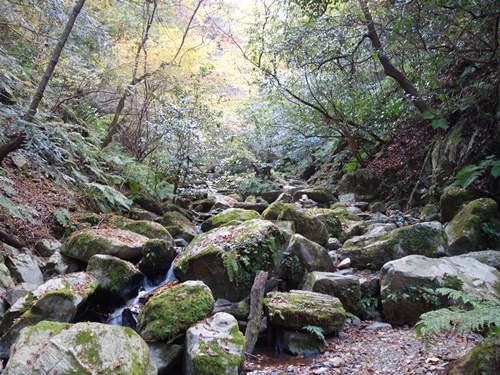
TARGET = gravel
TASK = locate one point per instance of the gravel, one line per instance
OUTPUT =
(380, 350)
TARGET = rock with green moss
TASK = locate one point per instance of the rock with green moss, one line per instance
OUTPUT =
(361, 182)
(483, 359)
(6, 281)
(147, 203)
(452, 200)
(82, 348)
(254, 204)
(303, 255)
(136, 213)
(122, 244)
(169, 313)
(430, 212)
(298, 309)
(146, 228)
(203, 205)
(474, 228)
(157, 257)
(408, 285)
(372, 251)
(214, 346)
(56, 300)
(346, 288)
(317, 194)
(306, 224)
(228, 258)
(179, 226)
(227, 216)
(329, 218)
(116, 278)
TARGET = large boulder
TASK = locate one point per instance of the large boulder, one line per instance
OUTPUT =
(146, 228)
(122, 244)
(319, 195)
(489, 257)
(474, 228)
(227, 216)
(251, 203)
(56, 300)
(6, 281)
(165, 356)
(214, 346)
(329, 218)
(157, 257)
(346, 288)
(452, 200)
(179, 226)
(483, 359)
(408, 285)
(361, 182)
(305, 224)
(228, 258)
(82, 348)
(298, 309)
(173, 310)
(116, 278)
(372, 251)
(303, 255)
(24, 269)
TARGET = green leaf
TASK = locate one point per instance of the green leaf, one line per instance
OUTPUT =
(428, 115)
(62, 216)
(495, 169)
(440, 123)
(11, 207)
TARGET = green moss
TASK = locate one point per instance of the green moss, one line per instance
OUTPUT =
(84, 244)
(212, 355)
(481, 360)
(54, 327)
(232, 215)
(167, 314)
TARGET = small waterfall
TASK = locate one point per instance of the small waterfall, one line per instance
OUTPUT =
(121, 316)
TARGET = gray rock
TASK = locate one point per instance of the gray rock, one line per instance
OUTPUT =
(303, 255)
(489, 257)
(157, 257)
(19, 291)
(361, 182)
(24, 269)
(378, 326)
(122, 244)
(6, 280)
(47, 247)
(333, 244)
(300, 308)
(165, 356)
(345, 288)
(116, 277)
(57, 265)
(300, 343)
(254, 206)
(179, 226)
(83, 348)
(407, 284)
(56, 300)
(214, 345)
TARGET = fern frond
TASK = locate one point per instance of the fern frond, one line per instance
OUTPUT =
(458, 295)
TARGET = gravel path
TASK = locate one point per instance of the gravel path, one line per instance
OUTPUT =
(361, 350)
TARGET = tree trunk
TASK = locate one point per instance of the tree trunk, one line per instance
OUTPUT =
(16, 143)
(255, 316)
(389, 69)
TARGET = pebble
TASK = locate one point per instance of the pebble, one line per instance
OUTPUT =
(378, 326)
(321, 370)
(336, 362)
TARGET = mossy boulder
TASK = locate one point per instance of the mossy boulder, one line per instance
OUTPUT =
(372, 251)
(306, 224)
(346, 288)
(228, 258)
(116, 278)
(6, 281)
(169, 313)
(475, 227)
(303, 255)
(203, 205)
(227, 216)
(146, 228)
(361, 182)
(82, 348)
(147, 203)
(329, 218)
(251, 203)
(408, 284)
(298, 308)
(136, 213)
(214, 346)
(157, 257)
(430, 212)
(452, 200)
(179, 226)
(57, 300)
(300, 343)
(483, 359)
(122, 244)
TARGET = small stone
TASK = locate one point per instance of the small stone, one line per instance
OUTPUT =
(346, 263)
(321, 370)
(343, 335)
(378, 326)
(336, 362)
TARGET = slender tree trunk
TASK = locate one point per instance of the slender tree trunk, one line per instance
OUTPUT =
(389, 69)
(17, 143)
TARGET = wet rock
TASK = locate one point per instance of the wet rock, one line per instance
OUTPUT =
(165, 356)
(157, 257)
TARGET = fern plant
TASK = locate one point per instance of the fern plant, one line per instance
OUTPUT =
(468, 315)
(470, 173)
(316, 331)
